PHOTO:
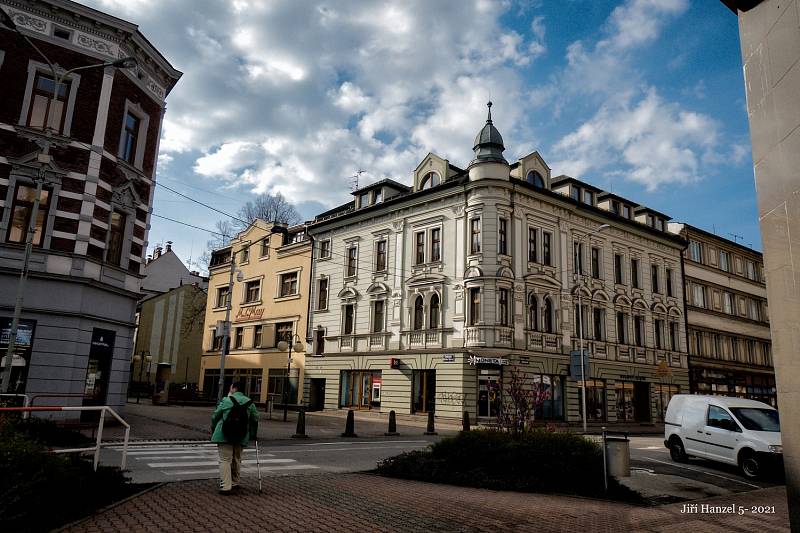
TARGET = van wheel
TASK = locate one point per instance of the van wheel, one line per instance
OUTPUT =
(677, 452)
(750, 465)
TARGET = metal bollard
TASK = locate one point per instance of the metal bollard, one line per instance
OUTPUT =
(465, 421)
(392, 425)
(431, 430)
(349, 428)
(300, 432)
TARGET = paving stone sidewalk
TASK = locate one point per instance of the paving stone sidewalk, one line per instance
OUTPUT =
(364, 502)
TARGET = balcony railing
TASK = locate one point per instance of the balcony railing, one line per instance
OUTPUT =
(377, 341)
(539, 341)
(346, 342)
(504, 336)
(496, 336)
(475, 335)
(423, 338)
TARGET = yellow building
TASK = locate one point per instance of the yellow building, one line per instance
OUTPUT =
(270, 304)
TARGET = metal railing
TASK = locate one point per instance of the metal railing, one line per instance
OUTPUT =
(99, 440)
(25, 403)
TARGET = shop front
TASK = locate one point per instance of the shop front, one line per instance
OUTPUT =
(739, 383)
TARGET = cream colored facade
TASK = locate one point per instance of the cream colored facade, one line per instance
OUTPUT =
(425, 296)
(269, 304)
(728, 324)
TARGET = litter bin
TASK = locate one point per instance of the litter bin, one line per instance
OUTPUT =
(618, 455)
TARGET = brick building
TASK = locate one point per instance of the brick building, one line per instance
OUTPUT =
(93, 143)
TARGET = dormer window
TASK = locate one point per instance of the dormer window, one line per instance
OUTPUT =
(626, 211)
(431, 179)
(587, 197)
(364, 199)
(575, 193)
(378, 196)
(615, 207)
(535, 179)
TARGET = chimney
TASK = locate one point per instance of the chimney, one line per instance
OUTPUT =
(157, 252)
(283, 229)
(169, 246)
(149, 259)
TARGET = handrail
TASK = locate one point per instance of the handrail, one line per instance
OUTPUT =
(99, 442)
(25, 403)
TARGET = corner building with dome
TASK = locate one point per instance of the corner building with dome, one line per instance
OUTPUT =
(424, 297)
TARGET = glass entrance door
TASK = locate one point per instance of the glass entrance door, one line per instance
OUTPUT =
(423, 391)
(488, 389)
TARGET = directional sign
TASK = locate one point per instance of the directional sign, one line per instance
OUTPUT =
(575, 364)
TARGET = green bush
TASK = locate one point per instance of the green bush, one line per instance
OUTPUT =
(48, 433)
(535, 461)
(33, 480)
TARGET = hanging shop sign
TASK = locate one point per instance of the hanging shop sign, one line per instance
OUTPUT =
(487, 360)
(524, 360)
(449, 357)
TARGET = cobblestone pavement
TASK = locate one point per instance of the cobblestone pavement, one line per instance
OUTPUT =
(363, 502)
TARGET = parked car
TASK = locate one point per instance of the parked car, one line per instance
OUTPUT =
(736, 431)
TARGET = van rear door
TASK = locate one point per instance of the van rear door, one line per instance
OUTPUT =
(693, 420)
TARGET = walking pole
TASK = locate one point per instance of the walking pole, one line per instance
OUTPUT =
(258, 467)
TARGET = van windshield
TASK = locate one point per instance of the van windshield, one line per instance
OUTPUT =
(757, 419)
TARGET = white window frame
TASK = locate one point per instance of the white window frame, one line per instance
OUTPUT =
(330, 249)
(35, 67)
(328, 295)
(279, 283)
(141, 137)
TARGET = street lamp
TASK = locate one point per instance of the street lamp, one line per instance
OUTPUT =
(142, 358)
(226, 326)
(298, 347)
(44, 160)
(580, 276)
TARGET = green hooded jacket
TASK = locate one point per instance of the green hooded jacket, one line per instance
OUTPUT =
(221, 413)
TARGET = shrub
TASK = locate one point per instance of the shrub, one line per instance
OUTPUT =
(533, 461)
(30, 477)
(48, 433)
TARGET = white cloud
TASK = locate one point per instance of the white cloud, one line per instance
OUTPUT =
(284, 96)
(645, 140)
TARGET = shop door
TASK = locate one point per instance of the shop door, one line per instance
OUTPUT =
(316, 399)
(487, 396)
(641, 398)
(423, 391)
(97, 371)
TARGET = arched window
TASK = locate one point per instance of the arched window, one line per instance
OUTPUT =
(419, 319)
(431, 179)
(549, 319)
(434, 314)
(533, 312)
(535, 179)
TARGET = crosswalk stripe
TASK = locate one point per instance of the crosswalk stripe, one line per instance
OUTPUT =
(177, 452)
(178, 457)
(249, 469)
(213, 463)
(165, 447)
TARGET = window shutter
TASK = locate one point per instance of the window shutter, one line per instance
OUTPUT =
(268, 336)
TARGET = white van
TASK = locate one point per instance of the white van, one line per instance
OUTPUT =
(736, 431)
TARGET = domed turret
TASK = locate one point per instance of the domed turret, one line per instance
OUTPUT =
(488, 146)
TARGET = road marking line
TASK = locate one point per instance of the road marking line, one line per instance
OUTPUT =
(162, 447)
(345, 449)
(212, 463)
(362, 442)
(176, 452)
(704, 472)
(174, 457)
(263, 469)
(660, 448)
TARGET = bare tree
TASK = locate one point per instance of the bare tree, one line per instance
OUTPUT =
(518, 402)
(195, 312)
(269, 208)
(225, 231)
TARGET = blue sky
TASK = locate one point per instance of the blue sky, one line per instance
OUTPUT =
(642, 97)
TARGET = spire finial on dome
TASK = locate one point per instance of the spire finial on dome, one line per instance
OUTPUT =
(488, 146)
(489, 118)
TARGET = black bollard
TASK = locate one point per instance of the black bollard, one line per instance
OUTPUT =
(349, 428)
(465, 421)
(431, 429)
(392, 425)
(300, 432)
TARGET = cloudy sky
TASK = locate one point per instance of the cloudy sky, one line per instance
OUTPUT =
(642, 97)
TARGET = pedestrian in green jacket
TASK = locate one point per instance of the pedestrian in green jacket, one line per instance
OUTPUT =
(230, 451)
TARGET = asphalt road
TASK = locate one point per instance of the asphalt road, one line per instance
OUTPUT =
(152, 463)
(650, 456)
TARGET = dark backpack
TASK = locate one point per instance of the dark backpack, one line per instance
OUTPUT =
(235, 425)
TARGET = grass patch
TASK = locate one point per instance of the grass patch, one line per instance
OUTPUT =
(534, 461)
(40, 490)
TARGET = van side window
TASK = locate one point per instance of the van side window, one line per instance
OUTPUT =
(719, 418)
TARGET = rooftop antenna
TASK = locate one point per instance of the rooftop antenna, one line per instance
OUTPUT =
(354, 181)
(735, 237)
